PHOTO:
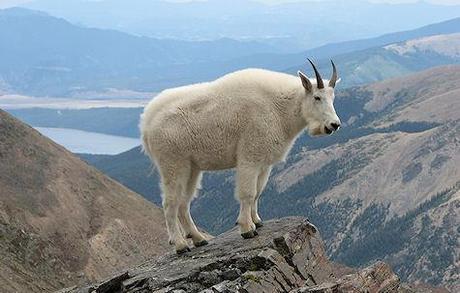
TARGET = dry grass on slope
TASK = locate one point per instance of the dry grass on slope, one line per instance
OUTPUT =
(62, 221)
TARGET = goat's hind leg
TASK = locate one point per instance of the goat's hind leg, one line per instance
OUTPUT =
(186, 220)
(246, 189)
(174, 179)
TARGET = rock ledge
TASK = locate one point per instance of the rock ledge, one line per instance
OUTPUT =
(287, 256)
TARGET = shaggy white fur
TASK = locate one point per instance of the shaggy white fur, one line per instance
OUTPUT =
(246, 120)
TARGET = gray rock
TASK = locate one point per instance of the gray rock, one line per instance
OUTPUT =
(287, 256)
(376, 278)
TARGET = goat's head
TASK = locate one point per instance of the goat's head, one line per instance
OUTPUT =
(318, 103)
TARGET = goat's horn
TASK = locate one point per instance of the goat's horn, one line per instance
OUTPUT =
(334, 75)
(319, 80)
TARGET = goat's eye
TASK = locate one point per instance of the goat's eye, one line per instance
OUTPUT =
(318, 98)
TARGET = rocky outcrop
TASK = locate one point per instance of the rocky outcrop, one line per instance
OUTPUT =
(287, 256)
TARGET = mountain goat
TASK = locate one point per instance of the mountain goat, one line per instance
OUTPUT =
(246, 120)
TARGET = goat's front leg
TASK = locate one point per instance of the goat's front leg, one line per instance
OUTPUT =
(246, 190)
(261, 182)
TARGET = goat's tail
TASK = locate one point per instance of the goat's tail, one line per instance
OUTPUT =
(146, 145)
(145, 141)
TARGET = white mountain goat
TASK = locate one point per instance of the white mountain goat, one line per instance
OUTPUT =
(246, 120)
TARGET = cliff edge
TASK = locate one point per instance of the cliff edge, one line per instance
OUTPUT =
(287, 256)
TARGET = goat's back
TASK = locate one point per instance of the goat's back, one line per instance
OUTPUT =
(206, 121)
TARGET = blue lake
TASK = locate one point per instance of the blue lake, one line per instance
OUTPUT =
(78, 141)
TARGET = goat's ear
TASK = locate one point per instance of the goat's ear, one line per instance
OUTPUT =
(305, 81)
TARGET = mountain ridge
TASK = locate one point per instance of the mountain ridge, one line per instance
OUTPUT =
(394, 60)
(63, 222)
(84, 59)
(281, 24)
(38, 65)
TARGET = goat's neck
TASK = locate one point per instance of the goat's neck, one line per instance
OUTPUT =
(289, 106)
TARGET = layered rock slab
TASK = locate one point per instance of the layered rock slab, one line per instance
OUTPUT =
(287, 256)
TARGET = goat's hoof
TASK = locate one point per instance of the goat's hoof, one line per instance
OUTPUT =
(201, 243)
(183, 250)
(249, 234)
(259, 225)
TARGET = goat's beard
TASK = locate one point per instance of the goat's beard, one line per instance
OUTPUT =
(316, 132)
(315, 129)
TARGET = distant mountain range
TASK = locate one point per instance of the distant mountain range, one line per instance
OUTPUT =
(394, 59)
(44, 55)
(283, 61)
(62, 222)
(289, 26)
(386, 186)
(48, 56)
(361, 67)
(334, 49)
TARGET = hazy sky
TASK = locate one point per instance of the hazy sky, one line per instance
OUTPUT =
(8, 3)
(447, 2)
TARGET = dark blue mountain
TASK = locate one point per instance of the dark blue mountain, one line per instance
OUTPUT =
(44, 55)
(283, 61)
(47, 56)
(292, 26)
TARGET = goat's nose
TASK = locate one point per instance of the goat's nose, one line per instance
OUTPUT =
(335, 125)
